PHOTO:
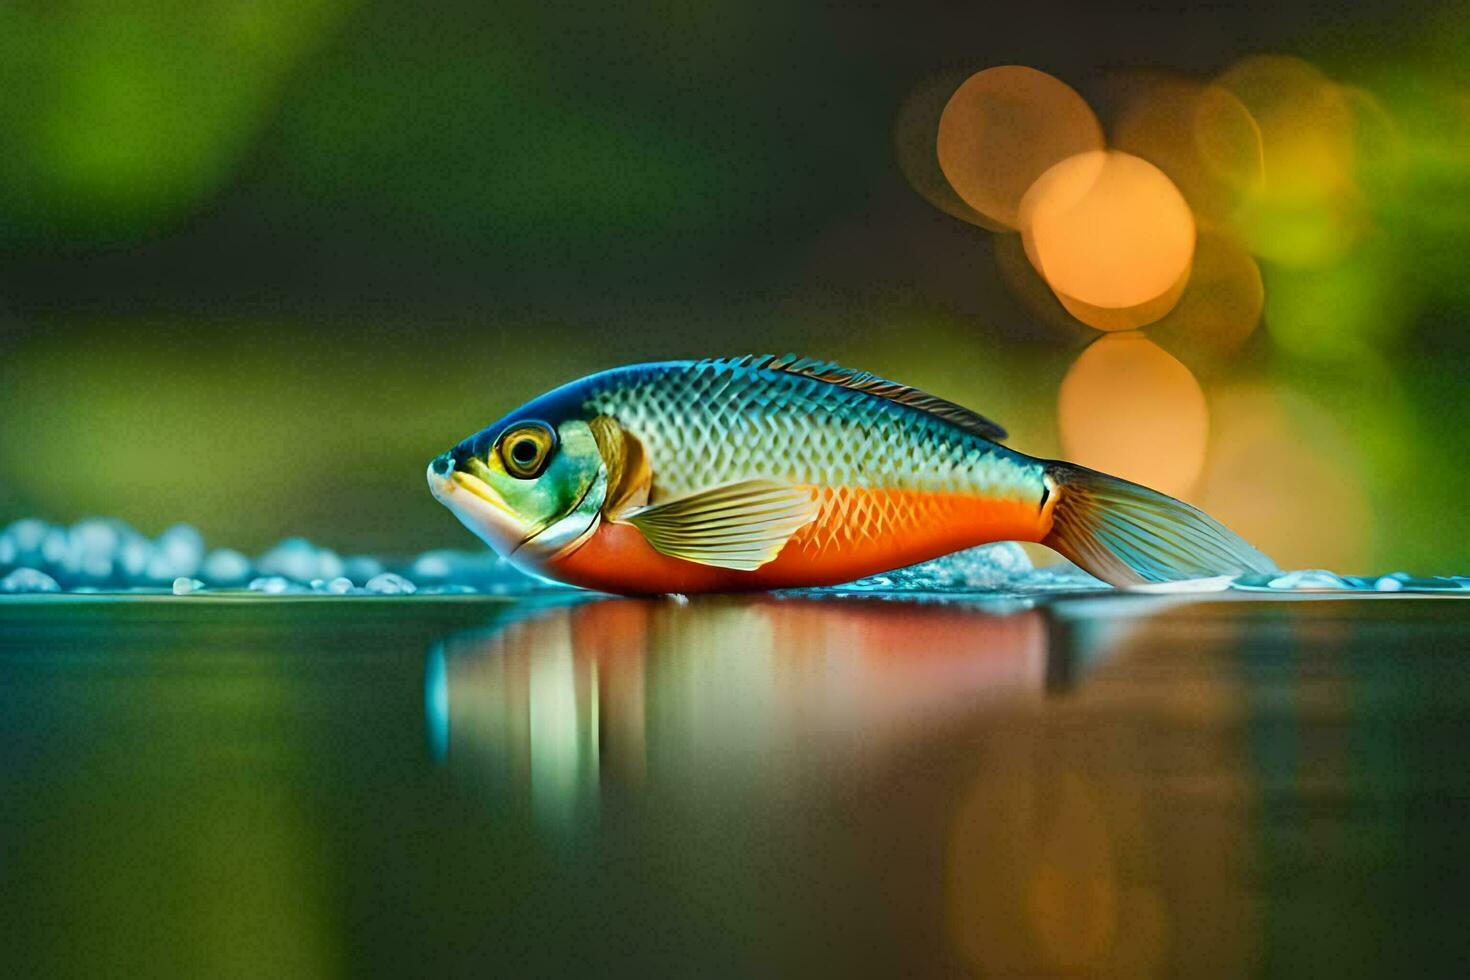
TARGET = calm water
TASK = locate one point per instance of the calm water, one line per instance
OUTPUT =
(730, 787)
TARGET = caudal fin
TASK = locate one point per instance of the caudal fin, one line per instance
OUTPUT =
(1126, 534)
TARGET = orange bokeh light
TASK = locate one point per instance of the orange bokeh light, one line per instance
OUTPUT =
(1285, 476)
(1002, 129)
(1227, 138)
(1112, 236)
(914, 146)
(1201, 136)
(1222, 306)
(1128, 408)
(1129, 317)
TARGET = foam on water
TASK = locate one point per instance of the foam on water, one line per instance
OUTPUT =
(104, 555)
(1321, 580)
(28, 580)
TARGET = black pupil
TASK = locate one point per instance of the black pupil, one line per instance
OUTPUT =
(523, 451)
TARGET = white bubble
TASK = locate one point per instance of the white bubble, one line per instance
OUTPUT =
(295, 558)
(1309, 578)
(134, 558)
(182, 547)
(274, 585)
(225, 567)
(987, 568)
(26, 536)
(28, 580)
(390, 584)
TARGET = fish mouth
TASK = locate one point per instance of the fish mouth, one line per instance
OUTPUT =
(476, 504)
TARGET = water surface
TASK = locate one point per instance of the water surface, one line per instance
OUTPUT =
(1122, 786)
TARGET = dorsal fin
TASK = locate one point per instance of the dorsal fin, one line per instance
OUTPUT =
(871, 384)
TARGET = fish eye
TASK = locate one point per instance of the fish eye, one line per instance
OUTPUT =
(526, 449)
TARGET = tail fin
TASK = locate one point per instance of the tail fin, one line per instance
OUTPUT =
(1126, 534)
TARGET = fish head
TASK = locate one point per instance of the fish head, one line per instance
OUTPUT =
(530, 487)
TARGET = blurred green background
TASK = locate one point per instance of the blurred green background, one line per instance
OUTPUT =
(260, 260)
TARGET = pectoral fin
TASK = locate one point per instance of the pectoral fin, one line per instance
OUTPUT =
(739, 525)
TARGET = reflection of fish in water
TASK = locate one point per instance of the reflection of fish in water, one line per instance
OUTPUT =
(559, 700)
(763, 472)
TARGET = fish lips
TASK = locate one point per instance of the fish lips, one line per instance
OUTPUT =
(477, 506)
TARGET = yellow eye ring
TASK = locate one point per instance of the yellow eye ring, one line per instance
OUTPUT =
(526, 449)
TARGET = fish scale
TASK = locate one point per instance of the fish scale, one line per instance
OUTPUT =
(715, 422)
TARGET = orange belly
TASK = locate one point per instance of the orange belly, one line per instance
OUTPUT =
(858, 532)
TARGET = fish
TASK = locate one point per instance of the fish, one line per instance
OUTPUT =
(757, 472)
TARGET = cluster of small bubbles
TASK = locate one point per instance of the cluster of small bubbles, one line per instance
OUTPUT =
(103, 555)
(989, 568)
(28, 580)
(1005, 568)
(301, 561)
(1321, 580)
(99, 553)
(274, 585)
(389, 583)
(1309, 578)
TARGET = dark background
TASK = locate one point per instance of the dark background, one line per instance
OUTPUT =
(259, 261)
